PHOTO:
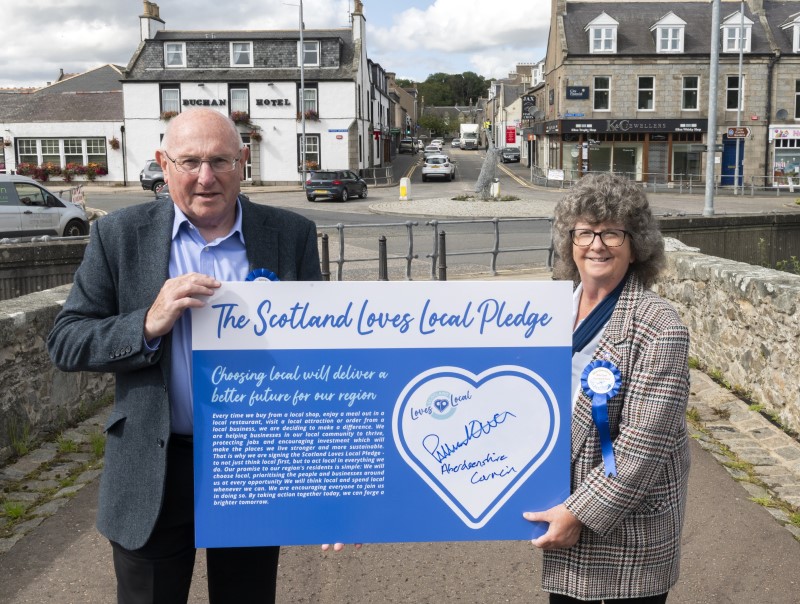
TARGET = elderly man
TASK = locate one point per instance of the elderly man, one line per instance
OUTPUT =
(126, 313)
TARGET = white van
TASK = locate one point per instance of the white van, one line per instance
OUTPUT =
(28, 209)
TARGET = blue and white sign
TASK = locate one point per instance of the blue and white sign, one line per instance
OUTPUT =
(380, 412)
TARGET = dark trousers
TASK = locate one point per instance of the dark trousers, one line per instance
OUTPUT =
(161, 571)
(559, 599)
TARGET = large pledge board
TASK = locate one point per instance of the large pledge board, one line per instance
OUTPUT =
(379, 412)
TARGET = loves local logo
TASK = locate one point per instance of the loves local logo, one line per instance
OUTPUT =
(475, 439)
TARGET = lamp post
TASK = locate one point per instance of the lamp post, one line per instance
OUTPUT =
(302, 101)
(708, 209)
(739, 100)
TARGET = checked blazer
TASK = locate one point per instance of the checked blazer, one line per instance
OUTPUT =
(630, 543)
(101, 328)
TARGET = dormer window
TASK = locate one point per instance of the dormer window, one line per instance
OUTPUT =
(602, 34)
(793, 24)
(734, 35)
(669, 33)
(241, 54)
(174, 54)
(309, 53)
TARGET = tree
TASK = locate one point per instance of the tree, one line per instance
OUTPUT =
(434, 123)
(447, 90)
(403, 83)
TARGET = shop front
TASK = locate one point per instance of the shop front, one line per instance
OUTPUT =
(785, 151)
(647, 150)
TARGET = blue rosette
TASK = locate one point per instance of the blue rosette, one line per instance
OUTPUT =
(262, 274)
(601, 380)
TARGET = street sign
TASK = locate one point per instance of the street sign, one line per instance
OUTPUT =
(740, 132)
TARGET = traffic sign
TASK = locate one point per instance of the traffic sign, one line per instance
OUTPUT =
(739, 132)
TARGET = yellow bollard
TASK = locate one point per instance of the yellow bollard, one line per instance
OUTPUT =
(405, 186)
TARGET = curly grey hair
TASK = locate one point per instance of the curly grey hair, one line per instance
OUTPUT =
(598, 198)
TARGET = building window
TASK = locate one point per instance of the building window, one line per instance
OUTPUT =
(796, 37)
(732, 95)
(736, 31)
(308, 99)
(170, 99)
(27, 152)
(241, 54)
(239, 99)
(311, 157)
(73, 151)
(646, 93)
(602, 93)
(670, 39)
(174, 54)
(309, 52)
(797, 99)
(604, 39)
(690, 97)
(51, 152)
(96, 151)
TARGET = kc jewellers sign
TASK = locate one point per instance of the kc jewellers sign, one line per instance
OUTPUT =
(634, 125)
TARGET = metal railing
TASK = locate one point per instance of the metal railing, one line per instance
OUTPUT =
(382, 175)
(780, 185)
(341, 230)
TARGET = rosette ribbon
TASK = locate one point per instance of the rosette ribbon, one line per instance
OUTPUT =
(262, 274)
(601, 381)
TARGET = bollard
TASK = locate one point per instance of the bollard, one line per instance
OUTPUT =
(383, 262)
(494, 191)
(405, 189)
(442, 265)
(325, 262)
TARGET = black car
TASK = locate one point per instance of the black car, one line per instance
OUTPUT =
(334, 184)
(509, 154)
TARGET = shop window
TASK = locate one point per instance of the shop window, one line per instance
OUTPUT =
(309, 53)
(170, 99)
(732, 94)
(311, 155)
(646, 93)
(690, 94)
(602, 93)
(786, 170)
(239, 99)
(241, 54)
(734, 35)
(174, 54)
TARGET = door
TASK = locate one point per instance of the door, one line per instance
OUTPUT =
(729, 161)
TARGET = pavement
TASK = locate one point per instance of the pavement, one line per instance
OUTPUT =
(741, 542)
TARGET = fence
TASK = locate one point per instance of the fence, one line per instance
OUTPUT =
(383, 175)
(436, 256)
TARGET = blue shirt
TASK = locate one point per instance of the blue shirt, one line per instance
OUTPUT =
(225, 259)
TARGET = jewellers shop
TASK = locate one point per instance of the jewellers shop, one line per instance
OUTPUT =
(647, 150)
(785, 146)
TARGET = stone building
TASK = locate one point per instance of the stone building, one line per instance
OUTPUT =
(255, 77)
(627, 85)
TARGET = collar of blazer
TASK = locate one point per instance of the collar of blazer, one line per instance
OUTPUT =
(610, 348)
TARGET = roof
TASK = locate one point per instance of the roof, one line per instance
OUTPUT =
(636, 18)
(105, 78)
(778, 14)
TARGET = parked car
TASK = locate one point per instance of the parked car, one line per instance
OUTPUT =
(438, 166)
(407, 145)
(152, 176)
(28, 209)
(456, 142)
(509, 154)
(334, 184)
(420, 145)
(163, 192)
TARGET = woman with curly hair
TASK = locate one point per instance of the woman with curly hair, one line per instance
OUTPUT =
(616, 538)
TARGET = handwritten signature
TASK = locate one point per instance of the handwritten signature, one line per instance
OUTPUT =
(472, 431)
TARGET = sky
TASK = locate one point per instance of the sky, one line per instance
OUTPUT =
(412, 38)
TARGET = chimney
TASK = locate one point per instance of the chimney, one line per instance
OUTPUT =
(149, 21)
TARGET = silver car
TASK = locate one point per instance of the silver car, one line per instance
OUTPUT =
(28, 209)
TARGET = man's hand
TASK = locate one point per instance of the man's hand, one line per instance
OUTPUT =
(564, 529)
(176, 296)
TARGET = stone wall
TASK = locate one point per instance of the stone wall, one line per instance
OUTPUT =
(35, 398)
(744, 324)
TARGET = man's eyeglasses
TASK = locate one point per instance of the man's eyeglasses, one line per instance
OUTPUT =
(610, 238)
(192, 165)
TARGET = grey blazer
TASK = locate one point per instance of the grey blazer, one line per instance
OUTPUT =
(101, 328)
(630, 543)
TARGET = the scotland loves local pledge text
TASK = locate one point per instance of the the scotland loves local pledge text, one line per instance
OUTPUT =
(379, 412)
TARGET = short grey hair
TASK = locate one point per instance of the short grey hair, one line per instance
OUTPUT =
(606, 197)
(184, 115)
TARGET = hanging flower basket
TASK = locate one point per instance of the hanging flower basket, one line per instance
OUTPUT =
(255, 135)
(241, 118)
(113, 142)
(6, 143)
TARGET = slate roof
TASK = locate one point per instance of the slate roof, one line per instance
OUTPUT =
(93, 96)
(636, 18)
(147, 63)
(778, 13)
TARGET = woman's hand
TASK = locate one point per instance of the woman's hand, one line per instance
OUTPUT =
(564, 529)
(337, 547)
